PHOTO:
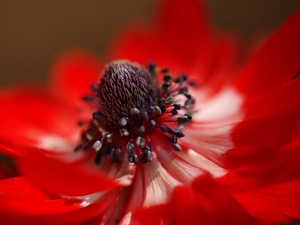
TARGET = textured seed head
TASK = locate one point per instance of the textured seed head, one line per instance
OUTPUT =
(123, 87)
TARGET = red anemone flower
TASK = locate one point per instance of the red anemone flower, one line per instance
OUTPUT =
(173, 132)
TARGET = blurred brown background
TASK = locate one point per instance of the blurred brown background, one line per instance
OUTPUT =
(33, 32)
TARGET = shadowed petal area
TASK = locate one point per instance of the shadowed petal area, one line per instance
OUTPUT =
(73, 74)
(274, 203)
(10, 152)
(63, 178)
(275, 63)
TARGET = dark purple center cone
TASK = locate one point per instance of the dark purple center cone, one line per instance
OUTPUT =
(124, 85)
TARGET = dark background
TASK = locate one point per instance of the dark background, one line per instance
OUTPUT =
(33, 32)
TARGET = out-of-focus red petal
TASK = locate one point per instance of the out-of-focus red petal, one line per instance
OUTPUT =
(20, 188)
(273, 204)
(177, 37)
(185, 28)
(20, 197)
(25, 113)
(7, 151)
(283, 98)
(73, 74)
(63, 178)
(134, 43)
(266, 141)
(86, 213)
(212, 199)
(214, 69)
(21, 202)
(206, 202)
(275, 63)
(34, 118)
(163, 215)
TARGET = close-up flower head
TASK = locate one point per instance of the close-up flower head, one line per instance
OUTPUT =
(180, 123)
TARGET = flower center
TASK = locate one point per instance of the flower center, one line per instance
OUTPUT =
(125, 88)
(132, 108)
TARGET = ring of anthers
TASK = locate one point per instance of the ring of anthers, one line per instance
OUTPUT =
(130, 106)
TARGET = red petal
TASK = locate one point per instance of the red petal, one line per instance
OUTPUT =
(275, 63)
(22, 203)
(61, 177)
(30, 116)
(283, 98)
(185, 28)
(215, 68)
(273, 204)
(12, 152)
(19, 197)
(266, 142)
(19, 188)
(175, 40)
(154, 216)
(72, 75)
(23, 109)
(206, 202)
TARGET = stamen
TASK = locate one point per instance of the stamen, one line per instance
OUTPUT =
(164, 128)
(167, 77)
(179, 134)
(130, 148)
(97, 145)
(144, 115)
(174, 139)
(151, 67)
(177, 106)
(174, 112)
(123, 122)
(141, 129)
(153, 123)
(124, 132)
(88, 98)
(109, 138)
(176, 147)
(169, 100)
(140, 141)
(164, 70)
(157, 111)
(147, 157)
(97, 115)
(135, 159)
(134, 111)
(131, 107)
(119, 156)
(182, 119)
